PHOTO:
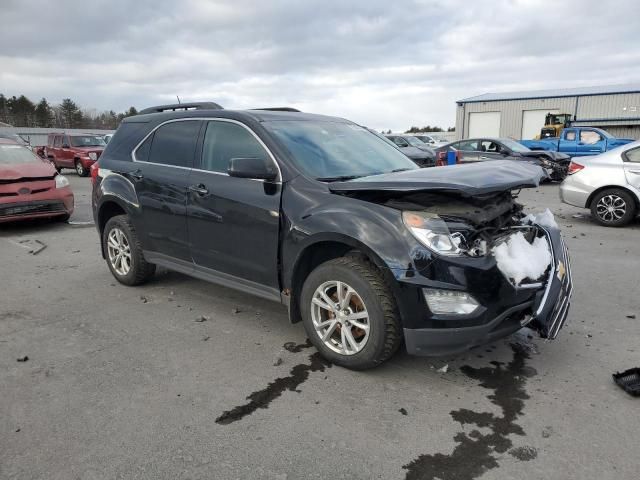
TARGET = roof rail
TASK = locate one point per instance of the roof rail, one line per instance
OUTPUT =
(278, 109)
(181, 106)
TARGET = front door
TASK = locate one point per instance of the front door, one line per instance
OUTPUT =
(160, 175)
(233, 222)
(590, 143)
(65, 153)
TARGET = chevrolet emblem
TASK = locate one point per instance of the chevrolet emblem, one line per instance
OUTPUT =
(560, 271)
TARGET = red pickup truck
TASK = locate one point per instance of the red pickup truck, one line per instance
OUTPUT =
(74, 150)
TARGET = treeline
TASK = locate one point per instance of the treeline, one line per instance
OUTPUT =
(429, 128)
(22, 112)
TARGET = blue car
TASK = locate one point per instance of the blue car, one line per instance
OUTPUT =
(578, 141)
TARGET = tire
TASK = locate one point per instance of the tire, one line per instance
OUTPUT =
(63, 218)
(383, 336)
(613, 207)
(139, 270)
(80, 170)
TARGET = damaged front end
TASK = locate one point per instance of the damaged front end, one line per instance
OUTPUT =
(486, 269)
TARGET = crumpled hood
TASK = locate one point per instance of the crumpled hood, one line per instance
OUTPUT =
(551, 155)
(466, 179)
(26, 170)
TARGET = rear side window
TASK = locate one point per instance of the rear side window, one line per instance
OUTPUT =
(224, 141)
(589, 137)
(175, 143)
(570, 135)
(142, 153)
(468, 146)
(632, 155)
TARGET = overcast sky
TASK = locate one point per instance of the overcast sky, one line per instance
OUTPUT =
(385, 64)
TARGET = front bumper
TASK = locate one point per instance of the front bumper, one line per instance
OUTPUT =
(52, 203)
(544, 309)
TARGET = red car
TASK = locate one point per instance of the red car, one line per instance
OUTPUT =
(74, 150)
(30, 187)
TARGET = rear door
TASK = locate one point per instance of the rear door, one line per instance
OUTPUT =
(590, 142)
(66, 153)
(568, 141)
(234, 222)
(468, 151)
(160, 175)
(631, 159)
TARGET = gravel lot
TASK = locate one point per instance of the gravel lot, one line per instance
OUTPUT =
(126, 383)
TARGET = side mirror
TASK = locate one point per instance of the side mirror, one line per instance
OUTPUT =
(256, 168)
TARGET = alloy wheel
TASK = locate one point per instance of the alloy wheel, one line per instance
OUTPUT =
(611, 207)
(79, 168)
(340, 317)
(119, 251)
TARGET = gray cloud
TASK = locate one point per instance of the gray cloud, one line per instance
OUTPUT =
(384, 64)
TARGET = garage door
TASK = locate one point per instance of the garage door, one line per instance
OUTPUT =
(532, 122)
(485, 124)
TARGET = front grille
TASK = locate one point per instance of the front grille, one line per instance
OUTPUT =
(31, 208)
(560, 310)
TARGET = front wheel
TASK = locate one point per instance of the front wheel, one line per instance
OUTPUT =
(350, 314)
(613, 207)
(123, 252)
(80, 170)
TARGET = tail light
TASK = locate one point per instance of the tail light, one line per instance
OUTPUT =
(94, 172)
(574, 167)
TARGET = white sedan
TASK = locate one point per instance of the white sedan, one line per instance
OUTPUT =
(608, 184)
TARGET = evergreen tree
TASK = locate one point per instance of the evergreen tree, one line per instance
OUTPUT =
(43, 114)
(71, 115)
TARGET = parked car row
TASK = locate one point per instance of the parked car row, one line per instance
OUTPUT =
(486, 149)
(417, 150)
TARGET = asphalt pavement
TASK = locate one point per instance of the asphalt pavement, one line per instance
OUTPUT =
(181, 379)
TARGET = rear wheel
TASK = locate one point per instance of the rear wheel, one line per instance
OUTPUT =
(613, 207)
(350, 314)
(80, 170)
(124, 252)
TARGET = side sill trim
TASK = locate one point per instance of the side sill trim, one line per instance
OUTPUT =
(213, 276)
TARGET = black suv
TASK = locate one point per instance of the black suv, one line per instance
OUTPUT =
(320, 214)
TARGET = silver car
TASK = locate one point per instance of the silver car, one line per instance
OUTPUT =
(608, 184)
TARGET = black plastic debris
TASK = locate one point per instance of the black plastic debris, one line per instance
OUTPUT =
(629, 381)
(22, 359)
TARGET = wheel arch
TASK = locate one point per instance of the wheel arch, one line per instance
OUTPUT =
(109, 208)
(322, 249)
(609, 187)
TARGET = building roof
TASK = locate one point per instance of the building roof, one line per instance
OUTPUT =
(554, 93)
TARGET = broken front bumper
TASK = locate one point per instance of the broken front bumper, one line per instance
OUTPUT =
(543, 307)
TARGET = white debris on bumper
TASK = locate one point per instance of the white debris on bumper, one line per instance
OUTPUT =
(518, 259)
(544, 219)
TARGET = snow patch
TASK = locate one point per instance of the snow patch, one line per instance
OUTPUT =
(518, 259)
(544, 219)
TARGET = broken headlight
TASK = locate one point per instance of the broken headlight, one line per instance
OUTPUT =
(432, 232)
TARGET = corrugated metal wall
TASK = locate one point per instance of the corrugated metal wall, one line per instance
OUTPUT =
(599, 107)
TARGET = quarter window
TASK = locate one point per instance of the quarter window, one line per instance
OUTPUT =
(142, 153)
(632, 155)
(570, 136)
(224, 141)
(175, 143)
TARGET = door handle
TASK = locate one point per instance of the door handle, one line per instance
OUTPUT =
(199, 189)
(482, 157)
(136, 175)
(637, 172)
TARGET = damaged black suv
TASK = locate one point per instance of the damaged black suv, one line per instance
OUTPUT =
(318, 213)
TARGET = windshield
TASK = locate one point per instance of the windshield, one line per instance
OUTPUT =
(87, 141)
(414, 141)
(424, 139)
(331, 150)
(16, 154)
(514, 146)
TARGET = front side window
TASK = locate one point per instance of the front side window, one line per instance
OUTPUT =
(399, 141)
(589, 137)
(57, 141)
(174, 143)
(632, 155)
(224, 141)
(327, 150)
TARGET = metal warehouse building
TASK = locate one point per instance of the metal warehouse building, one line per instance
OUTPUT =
(520, 115)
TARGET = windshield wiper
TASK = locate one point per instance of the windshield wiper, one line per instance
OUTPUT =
(401, 170)
(341, 178)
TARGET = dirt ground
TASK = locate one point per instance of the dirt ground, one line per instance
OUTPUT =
(127, 383)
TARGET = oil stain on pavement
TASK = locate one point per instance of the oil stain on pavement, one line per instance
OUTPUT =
(262, 398)
(475, 452)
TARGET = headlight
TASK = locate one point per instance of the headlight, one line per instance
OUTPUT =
(61, 181)
(451, 302)
(93, 155)
(431, 231)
